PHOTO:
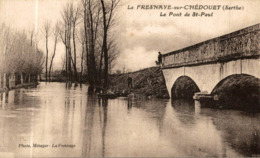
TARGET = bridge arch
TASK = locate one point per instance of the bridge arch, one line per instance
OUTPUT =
(238, 90)
(207, 76)
(184, 87)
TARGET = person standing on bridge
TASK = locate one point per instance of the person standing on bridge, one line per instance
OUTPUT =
(159, 59)
(130, 82)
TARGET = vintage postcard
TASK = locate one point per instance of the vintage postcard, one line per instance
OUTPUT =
(129, 78)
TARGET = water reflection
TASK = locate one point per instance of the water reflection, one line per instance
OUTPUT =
(56, 114)
(104, 105)
(239, 129)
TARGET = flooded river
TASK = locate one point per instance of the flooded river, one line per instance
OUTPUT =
(54, 121)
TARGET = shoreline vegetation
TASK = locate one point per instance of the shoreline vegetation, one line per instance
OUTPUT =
(23, 85)
(236, 92)
(147, 82)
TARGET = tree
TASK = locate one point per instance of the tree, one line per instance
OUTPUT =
(46, 32)
(56, 33)
(70, 16)
(65, 35)
(112, 53)
(18, 55)
(90, 21)
(108, 14)
(75, 17)
(81, 39)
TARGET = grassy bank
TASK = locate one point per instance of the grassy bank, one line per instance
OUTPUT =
(148, 82)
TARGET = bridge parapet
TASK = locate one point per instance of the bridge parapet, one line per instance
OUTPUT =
(240, 44)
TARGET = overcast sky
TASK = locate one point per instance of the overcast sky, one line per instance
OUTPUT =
(141, 33)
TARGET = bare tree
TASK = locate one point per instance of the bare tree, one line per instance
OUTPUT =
(108, 15)
(81, 39)
(46, 31)
(56, 33)
(65, 35)
(75, 18)
(18, 55)
(91, 15)
(113, 52)
(7, 44)
(70, 20)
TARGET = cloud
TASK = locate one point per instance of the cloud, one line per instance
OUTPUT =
(146, 32)
(142, 31)
(136, 58)
(154, 38)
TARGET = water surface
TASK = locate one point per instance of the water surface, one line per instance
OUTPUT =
(53, 120)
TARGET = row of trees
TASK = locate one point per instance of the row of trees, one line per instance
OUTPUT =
(98, 21)
(86, 29)
(19, 55)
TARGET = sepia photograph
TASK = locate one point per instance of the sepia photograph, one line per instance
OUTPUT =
(129, 78)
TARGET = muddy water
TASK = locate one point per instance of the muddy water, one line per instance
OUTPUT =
(53, 120)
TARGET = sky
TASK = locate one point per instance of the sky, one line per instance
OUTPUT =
(141, 33)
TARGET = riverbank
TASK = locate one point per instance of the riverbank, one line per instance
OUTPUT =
(147, 82)
(24, 85)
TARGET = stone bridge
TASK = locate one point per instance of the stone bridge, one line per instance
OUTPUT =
(209, 62)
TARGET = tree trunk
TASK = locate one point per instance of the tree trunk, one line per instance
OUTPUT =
(46, 62)
(54, 51)
(88, 26)
(7, 80)
(75, 57)
(0, 80)
(21, 74)
(105, 46)
(69, 51)
(100, 65)
(81, 64)
(66, 60)
(69, 65)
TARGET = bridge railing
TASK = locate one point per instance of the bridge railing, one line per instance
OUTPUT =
(243, 43)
